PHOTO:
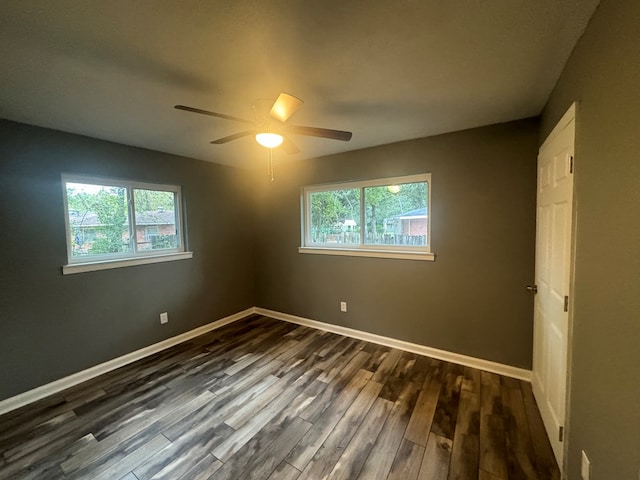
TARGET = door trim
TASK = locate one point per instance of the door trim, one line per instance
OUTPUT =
(569, 115)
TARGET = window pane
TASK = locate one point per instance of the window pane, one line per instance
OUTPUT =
(396, 214)
(335, 216)
(155, 219)
(98, 219)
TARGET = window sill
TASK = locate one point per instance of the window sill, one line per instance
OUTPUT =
(352, 252)
(123, 262)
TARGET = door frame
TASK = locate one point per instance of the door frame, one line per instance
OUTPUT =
(569, 115)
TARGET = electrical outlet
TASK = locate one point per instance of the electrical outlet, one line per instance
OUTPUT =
(343, 306)
(585, 469)
(164, 318)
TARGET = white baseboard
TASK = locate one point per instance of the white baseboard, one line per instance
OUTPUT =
(487, 365)
(56, 386)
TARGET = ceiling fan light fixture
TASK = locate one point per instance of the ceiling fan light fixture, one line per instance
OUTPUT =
(269, 139)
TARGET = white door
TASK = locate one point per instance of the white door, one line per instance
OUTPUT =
(554, 231)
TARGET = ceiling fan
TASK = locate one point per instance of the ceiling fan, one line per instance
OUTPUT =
(271, 130)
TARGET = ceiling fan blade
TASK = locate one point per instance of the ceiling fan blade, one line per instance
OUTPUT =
(320, 132)
(290, 147)
(235, 136)
(212, 114)
(285, 106)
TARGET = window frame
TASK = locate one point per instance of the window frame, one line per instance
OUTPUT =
(135, 257)
(406, 252)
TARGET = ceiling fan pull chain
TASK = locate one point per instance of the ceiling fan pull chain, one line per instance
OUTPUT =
(270, 167)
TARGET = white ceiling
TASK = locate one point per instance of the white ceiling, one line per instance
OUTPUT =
(387, 70)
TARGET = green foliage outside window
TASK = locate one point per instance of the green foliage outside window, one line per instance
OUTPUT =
(333, 211)
(109, 206)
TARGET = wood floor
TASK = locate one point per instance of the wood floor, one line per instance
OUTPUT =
(264, 399)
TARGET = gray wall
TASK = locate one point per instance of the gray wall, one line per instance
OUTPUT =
(471, 300)
(53, 325)
(603, 75)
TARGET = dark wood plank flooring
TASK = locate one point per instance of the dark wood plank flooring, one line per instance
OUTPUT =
(264, 399)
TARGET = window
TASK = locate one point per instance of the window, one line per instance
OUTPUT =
(112, 223)
(380, 218)
(151, 232)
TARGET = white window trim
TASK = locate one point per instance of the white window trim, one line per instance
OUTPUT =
(353, 252)
(123, 262)
(376, 251)
(104, 262)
